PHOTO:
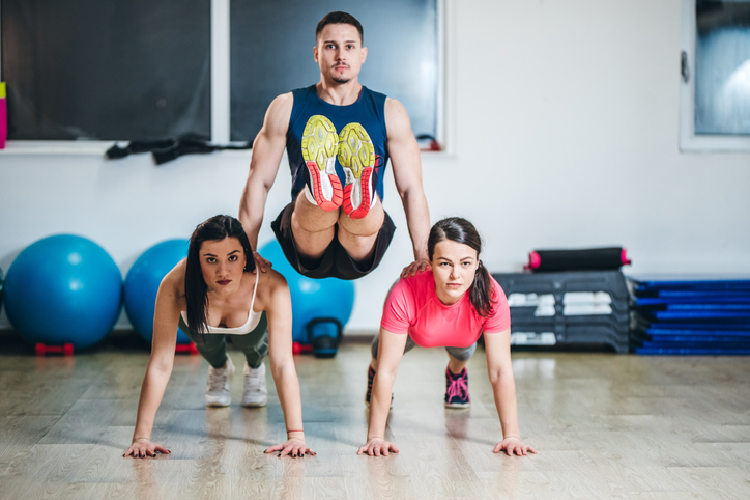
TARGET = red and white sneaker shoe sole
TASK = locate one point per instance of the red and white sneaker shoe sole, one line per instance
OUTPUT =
(357, 156)
(362, 185)
(319, 146)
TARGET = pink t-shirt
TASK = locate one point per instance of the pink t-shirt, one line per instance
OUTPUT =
(413, 307)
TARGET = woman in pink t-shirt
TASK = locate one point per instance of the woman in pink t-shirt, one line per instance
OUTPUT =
(450, 305)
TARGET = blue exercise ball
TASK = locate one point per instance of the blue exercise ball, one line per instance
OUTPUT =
(143, 280)
(311, 298)
(63, 289)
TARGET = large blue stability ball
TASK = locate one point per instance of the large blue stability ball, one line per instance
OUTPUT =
(63, 289)
(311, 298)
(143, 280)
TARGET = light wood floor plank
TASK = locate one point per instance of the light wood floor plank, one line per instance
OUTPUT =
(605, 426)
(518, 485)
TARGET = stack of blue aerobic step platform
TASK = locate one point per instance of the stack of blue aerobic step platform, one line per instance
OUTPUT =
(586, 309)
(691, 316)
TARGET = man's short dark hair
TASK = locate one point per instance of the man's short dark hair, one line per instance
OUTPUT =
(340, 17)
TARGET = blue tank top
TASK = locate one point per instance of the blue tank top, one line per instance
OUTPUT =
(368, 110)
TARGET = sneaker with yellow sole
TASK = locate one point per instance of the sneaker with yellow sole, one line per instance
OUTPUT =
(320, 147)
(357, 156)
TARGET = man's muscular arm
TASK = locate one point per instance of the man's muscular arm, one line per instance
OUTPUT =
(268, 150)
(407, 170)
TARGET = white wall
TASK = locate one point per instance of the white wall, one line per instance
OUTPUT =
(566, 132)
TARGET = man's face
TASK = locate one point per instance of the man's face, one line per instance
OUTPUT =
(339, 53)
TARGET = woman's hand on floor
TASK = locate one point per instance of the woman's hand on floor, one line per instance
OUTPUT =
(142, 448)
(377, 447)
(513, 446)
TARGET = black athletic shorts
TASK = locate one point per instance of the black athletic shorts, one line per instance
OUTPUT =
(335, 261)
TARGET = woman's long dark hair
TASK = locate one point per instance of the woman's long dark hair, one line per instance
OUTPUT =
(216, 228)
(481, 292)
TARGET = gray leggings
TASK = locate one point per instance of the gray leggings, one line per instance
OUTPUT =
(213, 347)
(460, 353)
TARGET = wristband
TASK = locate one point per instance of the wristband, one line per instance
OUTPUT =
(295, 430)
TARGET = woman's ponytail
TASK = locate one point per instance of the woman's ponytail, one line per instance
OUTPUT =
(481, 292)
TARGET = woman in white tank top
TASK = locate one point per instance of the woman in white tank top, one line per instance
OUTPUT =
(214, 294)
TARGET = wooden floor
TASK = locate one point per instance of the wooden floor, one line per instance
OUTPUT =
(605, 426)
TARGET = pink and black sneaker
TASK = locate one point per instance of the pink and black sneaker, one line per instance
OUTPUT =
(457, 389)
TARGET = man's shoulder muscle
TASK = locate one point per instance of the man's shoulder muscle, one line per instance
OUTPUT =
(396, 118)
(278, 113)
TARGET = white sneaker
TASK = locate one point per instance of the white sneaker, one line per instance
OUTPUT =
(254, 393)
(217, 387)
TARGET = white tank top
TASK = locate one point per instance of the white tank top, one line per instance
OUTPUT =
(253, 318)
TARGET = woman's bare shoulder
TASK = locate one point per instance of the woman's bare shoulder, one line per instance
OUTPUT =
(272, 279)
(270, 283)
(174, 281)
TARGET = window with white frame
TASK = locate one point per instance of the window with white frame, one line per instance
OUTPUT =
(152, 69)
(106, 69)
(716, 75)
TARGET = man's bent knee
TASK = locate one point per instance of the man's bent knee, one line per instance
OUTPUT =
(366, 226)
(312, 228)
(309, 217)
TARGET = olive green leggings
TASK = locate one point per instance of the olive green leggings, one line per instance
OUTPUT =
(213, 347)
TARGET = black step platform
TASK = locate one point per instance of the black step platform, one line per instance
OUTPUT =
(568, 309)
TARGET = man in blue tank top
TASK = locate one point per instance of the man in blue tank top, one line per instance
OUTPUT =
(338, 135)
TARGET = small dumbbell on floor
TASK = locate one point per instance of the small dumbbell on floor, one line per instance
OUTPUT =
(41, 349)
